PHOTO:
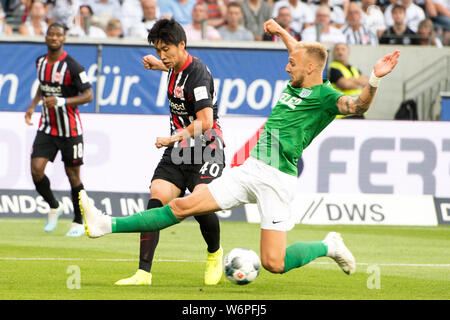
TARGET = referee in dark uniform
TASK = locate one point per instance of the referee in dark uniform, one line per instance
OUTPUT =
(63, 85)
(194, 153)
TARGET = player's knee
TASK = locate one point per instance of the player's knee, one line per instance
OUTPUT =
(272, 264)
(37, 173)
(180, 208)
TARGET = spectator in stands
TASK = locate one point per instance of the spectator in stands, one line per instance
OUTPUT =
(150, 16)
(413, 14)
(16, 12)
(199, 29)
(216, 11)
(322, 30)
(180, 10)
(354, 30)
(399, 33)
(337, 13)
(344, 77)
(62, 11)
(426, 34)
(373, 17)
(284, 19)
(256, 12)
(83, 26)
(302, 14)
(35, 24)
(233, 30)
(4, 27)
(441, 19)
(104, 11)
(114, 28)
(131, 14)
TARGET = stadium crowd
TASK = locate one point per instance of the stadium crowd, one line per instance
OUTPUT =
(364, 22)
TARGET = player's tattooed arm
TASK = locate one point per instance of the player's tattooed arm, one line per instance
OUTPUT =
(359, 105)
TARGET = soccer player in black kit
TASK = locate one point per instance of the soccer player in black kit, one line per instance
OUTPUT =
(63, 85)
(194, 152)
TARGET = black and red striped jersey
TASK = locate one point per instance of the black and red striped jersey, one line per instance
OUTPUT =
(64, 78)
(189, 91)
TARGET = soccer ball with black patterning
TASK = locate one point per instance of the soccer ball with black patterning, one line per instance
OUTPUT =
(241, 266)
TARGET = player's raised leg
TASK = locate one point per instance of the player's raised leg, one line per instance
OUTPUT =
(98, 224)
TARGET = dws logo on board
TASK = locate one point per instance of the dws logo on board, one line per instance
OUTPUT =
(442, 210)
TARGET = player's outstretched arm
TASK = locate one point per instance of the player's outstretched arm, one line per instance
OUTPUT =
(272, 27)
(350, 105)
(150, 62)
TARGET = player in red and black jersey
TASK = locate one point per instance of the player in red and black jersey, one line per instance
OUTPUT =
(63, 85)
(194, 152)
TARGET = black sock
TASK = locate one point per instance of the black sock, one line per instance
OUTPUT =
(210, 228)
(43, 188)
(148, 241)
(76, 205)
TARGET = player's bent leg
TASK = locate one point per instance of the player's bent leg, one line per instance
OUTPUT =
(199, 202)
(273, 244)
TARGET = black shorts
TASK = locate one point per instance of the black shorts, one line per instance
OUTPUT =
(188, 176)
(47, 146)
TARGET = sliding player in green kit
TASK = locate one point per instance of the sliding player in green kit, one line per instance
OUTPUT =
(269, 176)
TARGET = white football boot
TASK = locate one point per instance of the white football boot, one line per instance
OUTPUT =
(96, 223)
(340, 253)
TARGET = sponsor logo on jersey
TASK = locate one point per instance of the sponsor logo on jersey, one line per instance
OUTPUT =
(51, 90)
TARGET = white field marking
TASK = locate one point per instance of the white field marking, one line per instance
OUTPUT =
(438, 265)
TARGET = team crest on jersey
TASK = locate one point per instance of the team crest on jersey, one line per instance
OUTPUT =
(305, 93)
(57, 77)
(178, 92)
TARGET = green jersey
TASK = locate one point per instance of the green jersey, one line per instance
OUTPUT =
(298, 117)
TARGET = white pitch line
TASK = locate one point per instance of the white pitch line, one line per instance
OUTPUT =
(436, 265)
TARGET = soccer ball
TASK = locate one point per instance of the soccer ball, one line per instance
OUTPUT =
(241, 266)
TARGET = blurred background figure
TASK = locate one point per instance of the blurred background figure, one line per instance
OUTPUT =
(62, 11)
(302, 14)
(373, 17)
(216, 11)
(199, 29)
(256, 12)
(35, 24)
(233, 30)
(150, 14)
(4, 27)
(344, 77)
(399, 33)
(16, 12)
(413, 14)
(441, 19)
(284, 19)
(354, 30)
(83, 24)
(180, 10)
(322, 30)
(104, 11)
(426, 34)
(114, 28)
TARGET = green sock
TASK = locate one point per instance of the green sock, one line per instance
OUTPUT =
(301, 253)
(149, 220)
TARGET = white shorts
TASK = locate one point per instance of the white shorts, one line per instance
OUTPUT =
(257, 182)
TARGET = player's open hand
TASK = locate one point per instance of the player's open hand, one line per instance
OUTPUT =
(272, 27)
(386, 64)
(28, 115)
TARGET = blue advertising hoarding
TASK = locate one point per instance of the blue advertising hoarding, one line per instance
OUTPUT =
(248, 81)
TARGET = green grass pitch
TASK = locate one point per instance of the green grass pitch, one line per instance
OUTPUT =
(392, 263)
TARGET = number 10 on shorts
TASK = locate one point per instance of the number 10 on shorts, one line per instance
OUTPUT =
(78, 151)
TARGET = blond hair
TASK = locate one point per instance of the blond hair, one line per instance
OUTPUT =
(314, 50)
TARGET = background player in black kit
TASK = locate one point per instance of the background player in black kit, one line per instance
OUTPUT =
(187, 163)
(63, 85)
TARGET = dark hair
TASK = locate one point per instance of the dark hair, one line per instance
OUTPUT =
(58, 25)
(398, 7)
(167, 31)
